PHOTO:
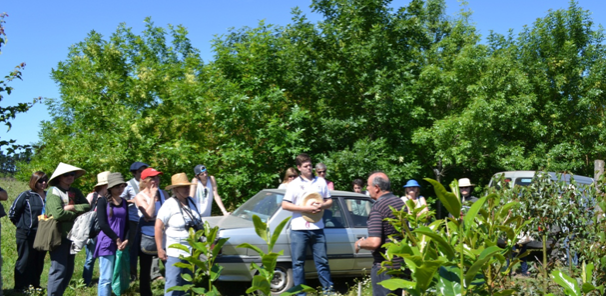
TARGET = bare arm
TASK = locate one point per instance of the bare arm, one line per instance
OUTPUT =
(289, 206)
(147, 209)
(159, 236)
(371, 244)
(192, 188)
(217, 197)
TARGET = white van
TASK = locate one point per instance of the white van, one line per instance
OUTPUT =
(524, 178)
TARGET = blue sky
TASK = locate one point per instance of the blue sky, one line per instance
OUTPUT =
(39, 32)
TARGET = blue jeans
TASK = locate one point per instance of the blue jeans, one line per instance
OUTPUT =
(106, 272)
(315, 239)
(173, 276)
(89, 264)
(524, 260)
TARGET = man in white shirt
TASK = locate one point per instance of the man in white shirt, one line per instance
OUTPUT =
(304, 233)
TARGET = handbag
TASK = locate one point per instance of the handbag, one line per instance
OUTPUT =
(121, 276)
(148, 244)
(48, 236)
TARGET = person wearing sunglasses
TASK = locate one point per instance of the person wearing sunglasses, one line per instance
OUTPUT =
(204, 191)
(24, 214)
(321, 172)
(64, 203)
(290, 175)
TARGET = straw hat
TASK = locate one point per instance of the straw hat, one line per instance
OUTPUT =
(307, 200)
(63, 168)
(114, 179)
(102, 178)
(178, 180)
(465, 182)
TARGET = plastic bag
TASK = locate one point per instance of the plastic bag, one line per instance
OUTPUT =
(121, 277)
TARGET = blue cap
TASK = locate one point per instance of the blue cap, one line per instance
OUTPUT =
(412, 183)
(199, 169)
(137, 165)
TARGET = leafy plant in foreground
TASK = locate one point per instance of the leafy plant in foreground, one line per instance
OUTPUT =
(204, 250)
(261, 282)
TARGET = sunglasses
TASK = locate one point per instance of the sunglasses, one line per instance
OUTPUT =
(321, 172)
(70, 174)
(293, 176)
(42, 181)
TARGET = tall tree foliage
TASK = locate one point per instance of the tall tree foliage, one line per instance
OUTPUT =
(408, 90)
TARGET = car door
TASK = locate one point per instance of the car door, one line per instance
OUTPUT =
(357, 210)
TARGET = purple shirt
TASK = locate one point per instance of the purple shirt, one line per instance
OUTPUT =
(117, 222)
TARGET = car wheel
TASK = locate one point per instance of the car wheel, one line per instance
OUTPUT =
(282, 280)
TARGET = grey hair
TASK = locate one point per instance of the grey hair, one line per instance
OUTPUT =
(320, 166)
(382, 183)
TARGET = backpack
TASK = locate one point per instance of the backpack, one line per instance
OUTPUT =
(94, 225)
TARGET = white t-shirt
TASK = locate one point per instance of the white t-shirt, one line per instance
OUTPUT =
(297, 188)
(204, 197)
(174, 225)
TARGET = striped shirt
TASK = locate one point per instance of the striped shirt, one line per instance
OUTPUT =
(377, 227)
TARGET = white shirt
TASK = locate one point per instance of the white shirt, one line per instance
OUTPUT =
(204, 197)
(174, 225)
(295, 191)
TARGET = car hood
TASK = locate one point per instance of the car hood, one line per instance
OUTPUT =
(229, 222)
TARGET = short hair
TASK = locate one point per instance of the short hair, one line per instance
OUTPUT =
(34, 179)
(382, 183)
(302, 158)
(320, 166)
(358, 182)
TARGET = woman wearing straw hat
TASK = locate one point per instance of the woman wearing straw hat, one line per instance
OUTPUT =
(64, 203)
(174, 220)
(149, 200)
(24, 214)
(112, 212)
(413, 191)
(465, 188)
(99, 190)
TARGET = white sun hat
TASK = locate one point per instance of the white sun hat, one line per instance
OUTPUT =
(307, 200)
(63, 168)
(465, 182)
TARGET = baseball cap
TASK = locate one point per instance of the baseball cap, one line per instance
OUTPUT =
(150, 172)
(137, 165)
(199, 169)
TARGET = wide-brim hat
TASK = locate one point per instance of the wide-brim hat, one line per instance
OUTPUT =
(63, 168)
(115, 179)
(178, 180)
(102, 178)
(412, 183)
(465, 182)
(307, 200)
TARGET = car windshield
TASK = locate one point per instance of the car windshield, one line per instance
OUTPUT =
(264, 204)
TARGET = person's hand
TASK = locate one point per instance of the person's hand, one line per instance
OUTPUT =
(162, 255)
(153, 188)
(358, 244)
(123, 245)
(70, 208)
(310, 209)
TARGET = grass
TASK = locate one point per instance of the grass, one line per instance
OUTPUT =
(77, 287)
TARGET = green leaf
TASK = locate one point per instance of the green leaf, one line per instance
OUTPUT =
(249, 246)
(269, 261)
(298, 289)
(570, 285)
(179, 247)
(587, 287)
(259, 283)
(423, 274)
(215, 272)
(187, 277)
(470, 216)
(277, 233)
(504, 211)
(588, 272)
(442, 244)
(449, 200)
(507, 292)
(260, 228)
(484, 257)
(449, 282)
(199, 291)
(397, 283)
(179, 288)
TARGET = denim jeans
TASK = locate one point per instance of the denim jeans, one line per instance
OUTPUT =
(106, 272)
(173, 276)
(315, 239)
(376, 278)
(524, 260)
(89, 264)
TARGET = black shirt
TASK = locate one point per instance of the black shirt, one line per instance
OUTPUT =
(377, 227)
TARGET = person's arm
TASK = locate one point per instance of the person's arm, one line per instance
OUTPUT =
(147, 209)
(17, 208)
(423, 202)
(159, 235)
(126, 230)
(375, 230)
(55, 208)
(129, 193)
(103, 223)
(3, 194)
(192, 188)
(289, 206)
(371, 243)
(217, 197)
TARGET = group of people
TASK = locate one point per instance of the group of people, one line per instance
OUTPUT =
(134, 216)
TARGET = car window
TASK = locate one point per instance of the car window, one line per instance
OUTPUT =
(263, 204)
(358, 211)
(333, 217)
(523, 181)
